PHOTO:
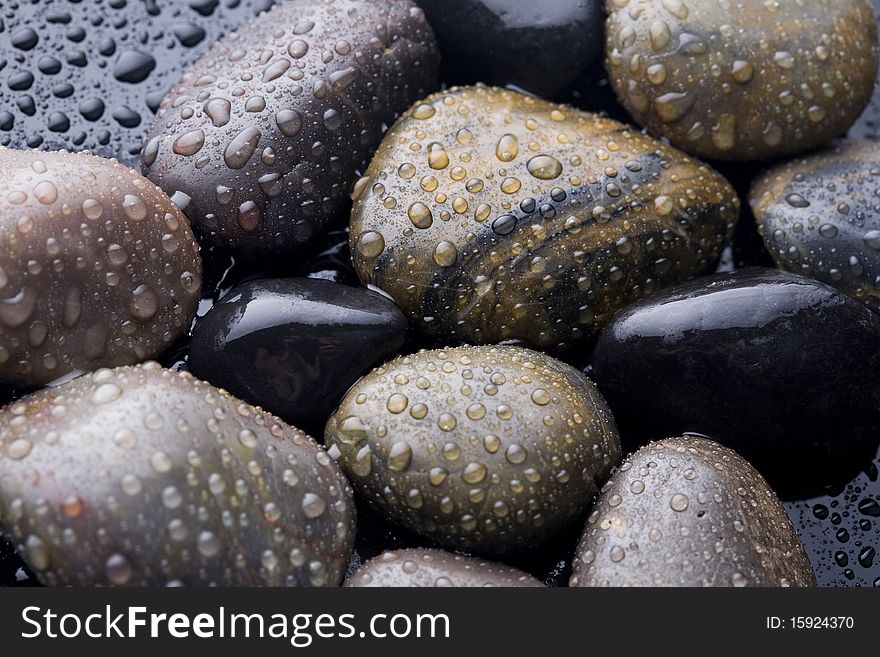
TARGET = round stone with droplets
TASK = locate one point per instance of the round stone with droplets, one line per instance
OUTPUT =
(264, 134)
(819, 217)
(742, 80)
(498, 216)
(98, 267)
(490, 449)
(141, 476)
(686, 511)
(425, 568)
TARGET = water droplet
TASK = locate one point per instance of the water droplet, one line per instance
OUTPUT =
(19, 448)
(106, 393)
(507, 148)
(241, 148)
(371, 244)
(797, 201)
(208, 544)
(437, 156)
(189, 143)
(313, 505)
(397, 403)
(420, 215)
(399, 457)
(679, 502)
(445, 254)
(544, 167)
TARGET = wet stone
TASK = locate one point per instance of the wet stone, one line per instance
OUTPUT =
(721, 81)
(499, 216)
(288, 122)
(537, 45)
(819, 216)
(689, 512)
(294, 346)
(781, 368)
(98, 267)
(141, 476)
(490, 449)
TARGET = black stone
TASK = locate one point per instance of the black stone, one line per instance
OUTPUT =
(538, 45)
(783, 369)
(295, 345)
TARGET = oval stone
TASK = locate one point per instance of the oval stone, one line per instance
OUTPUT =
(140, 476)
(97, 266)
(294, 346)
(264, 133)
(783, 369)
(819, 216)
(491, 449)
(689, 512)
(490, 215)
(724, 80)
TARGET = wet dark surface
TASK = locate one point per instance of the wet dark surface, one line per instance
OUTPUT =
(839, 522)
(89, 75)
(538, 45)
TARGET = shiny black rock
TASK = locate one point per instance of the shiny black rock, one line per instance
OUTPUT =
(538, 45)
(295, 345)
(783, 369)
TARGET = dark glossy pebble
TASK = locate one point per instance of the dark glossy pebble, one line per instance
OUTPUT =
(89, 75)
(264, 135)
(688, 512)
(784, 369)
(294, 346)
(820, 217)
(538, 45)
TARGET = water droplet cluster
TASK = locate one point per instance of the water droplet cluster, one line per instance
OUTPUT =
(97, 266)
(689, 512)
(264, 134)
(819, 216)
(140, 476)
(90, 74)
(489, 215)
(749, 80)
(426, 568)
(483, 448)
(841, 530)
